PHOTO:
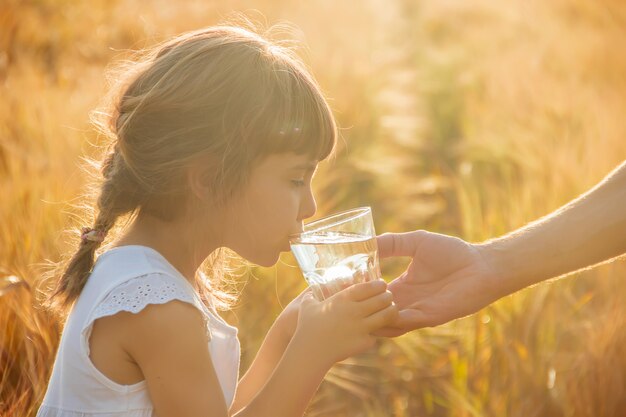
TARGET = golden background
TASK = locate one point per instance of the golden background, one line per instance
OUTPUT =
(468, 118)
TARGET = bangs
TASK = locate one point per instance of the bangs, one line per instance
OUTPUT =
(296, 117)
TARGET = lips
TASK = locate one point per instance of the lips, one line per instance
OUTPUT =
(287, 246)
(290, 236)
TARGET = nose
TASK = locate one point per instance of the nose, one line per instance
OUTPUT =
(308, 206)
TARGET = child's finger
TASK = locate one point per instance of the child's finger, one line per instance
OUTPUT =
(365, 290)
(307, 298)
(376, 303)
(326, 291)
(383, 318)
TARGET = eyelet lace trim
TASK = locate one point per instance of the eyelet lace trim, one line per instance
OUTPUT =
(137, 293)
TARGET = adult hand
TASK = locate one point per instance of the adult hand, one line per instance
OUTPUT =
(448, 278)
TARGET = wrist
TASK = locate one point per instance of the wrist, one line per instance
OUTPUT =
(312, 349)
(503, 264)
(291, 383)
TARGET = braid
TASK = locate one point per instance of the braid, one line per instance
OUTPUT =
(110, 162)
(118, 197)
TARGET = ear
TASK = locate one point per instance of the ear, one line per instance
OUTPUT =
(201, 180)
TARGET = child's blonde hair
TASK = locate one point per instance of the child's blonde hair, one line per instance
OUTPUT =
(223, 95)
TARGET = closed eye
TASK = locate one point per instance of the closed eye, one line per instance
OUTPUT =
(298, 183)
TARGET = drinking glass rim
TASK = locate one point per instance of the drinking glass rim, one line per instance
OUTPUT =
(360, 211)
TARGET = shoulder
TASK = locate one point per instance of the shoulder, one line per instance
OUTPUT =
(170, 343)
(156, 324)
(152, 296)
(134, 308)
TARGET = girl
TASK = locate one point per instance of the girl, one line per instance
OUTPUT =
(216, 135)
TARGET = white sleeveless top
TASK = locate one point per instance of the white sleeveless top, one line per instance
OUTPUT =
(126, 278)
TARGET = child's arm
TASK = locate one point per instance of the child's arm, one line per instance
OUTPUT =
(270, 353)
(326, 332)
(169, 342)
(170, 345)
(268, 356)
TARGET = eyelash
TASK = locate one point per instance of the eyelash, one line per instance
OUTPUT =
(298, 183)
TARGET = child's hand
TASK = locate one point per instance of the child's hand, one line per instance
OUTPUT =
(287, 321)
(342, 325)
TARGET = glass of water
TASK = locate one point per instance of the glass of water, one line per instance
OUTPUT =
(337, 251)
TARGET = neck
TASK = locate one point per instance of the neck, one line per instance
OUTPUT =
(182, 244)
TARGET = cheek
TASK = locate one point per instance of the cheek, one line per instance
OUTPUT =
(276, 207)
(261, 223)
(270, 210)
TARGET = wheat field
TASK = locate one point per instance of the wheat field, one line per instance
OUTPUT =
(466, 118)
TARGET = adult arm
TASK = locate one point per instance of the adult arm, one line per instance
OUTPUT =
(588, 230)
(449, 278)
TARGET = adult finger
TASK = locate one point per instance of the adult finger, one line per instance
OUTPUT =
(364, 290)
(389, 331)
(407, 321)
(399, 244)
(413, 319)
(383, 318)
